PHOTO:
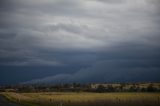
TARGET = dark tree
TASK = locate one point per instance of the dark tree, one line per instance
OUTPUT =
(151, 88)
(101, 88)
(110, 88)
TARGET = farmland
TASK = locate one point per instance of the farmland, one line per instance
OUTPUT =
(117, 94)
(84, 99)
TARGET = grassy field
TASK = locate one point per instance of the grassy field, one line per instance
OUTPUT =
(85, 99)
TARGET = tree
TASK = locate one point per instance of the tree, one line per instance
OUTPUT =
(133, 88)
(101, 88)
(110, 88)
(121, 87)
(150, 88)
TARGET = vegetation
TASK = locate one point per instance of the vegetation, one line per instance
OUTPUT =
(76, 94)
(85, 99)
(77, 87)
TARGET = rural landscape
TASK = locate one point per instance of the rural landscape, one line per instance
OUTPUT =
(124, 94)
(79, 52)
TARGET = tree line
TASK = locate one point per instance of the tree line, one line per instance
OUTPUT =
(78, 87)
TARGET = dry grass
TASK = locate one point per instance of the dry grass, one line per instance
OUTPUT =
(86, 99)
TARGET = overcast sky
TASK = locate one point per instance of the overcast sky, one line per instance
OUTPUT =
(79, 41)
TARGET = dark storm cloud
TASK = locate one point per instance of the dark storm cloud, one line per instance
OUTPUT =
(118, 64)
(83, 33)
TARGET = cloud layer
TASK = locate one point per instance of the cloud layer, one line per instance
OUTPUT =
(83, 33)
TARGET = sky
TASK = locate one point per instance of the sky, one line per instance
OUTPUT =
(65, 41)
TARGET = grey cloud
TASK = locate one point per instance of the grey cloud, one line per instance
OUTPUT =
(110, 1)
(40, 7)
(57, 78)
(118, 71)
(118, 64)
(80, 33)
(108, 71)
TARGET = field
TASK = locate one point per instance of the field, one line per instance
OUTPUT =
(85, 99)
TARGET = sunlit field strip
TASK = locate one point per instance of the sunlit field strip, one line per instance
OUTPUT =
(87, 99)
